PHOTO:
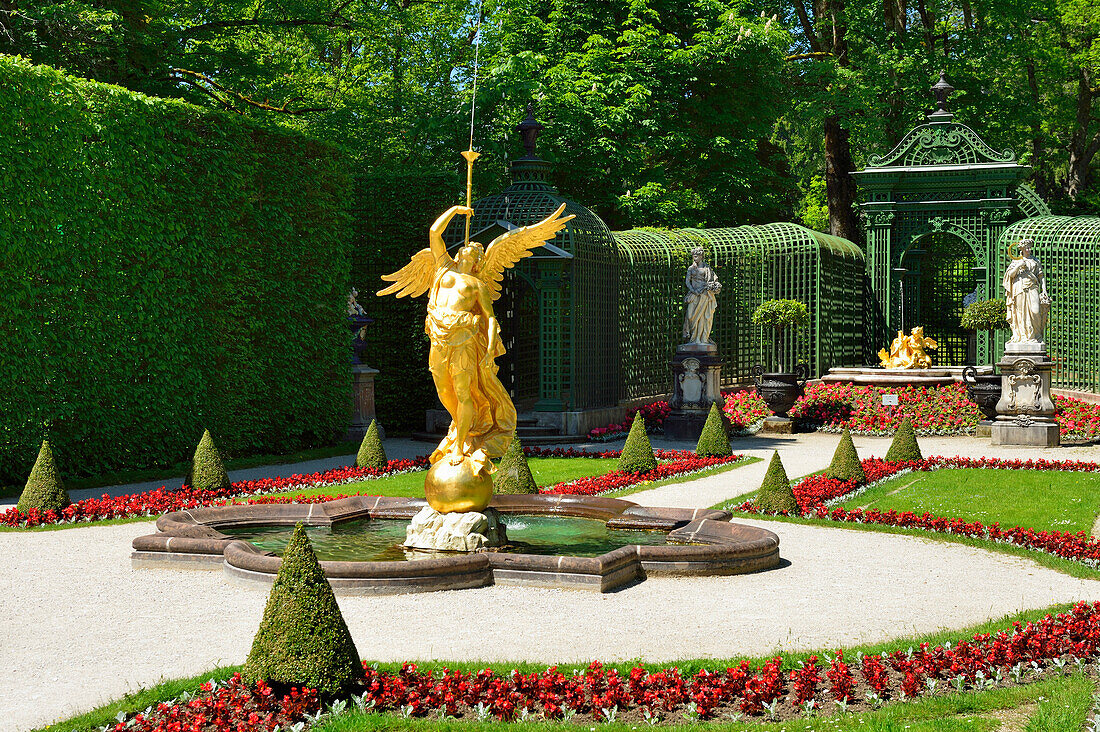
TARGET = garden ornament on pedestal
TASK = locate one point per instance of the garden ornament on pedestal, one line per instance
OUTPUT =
(700, 301)
(781, 388)
(984, 389)
(465, 343)
(1025, 411)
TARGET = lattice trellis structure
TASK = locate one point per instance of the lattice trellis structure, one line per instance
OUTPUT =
(937, 203)
(1068, 248)
(558, 313)
(754, 263)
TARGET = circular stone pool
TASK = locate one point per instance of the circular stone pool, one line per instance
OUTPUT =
(556, 541)
(379, 540)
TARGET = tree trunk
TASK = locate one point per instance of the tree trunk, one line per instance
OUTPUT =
(840, 186)
(1083, 144)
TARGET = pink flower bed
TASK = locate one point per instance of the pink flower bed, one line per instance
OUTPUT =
(779, 689)
(150, 503)
(815, 492)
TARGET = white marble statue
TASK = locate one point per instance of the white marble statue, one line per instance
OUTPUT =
(701, 299)
(1025, 288)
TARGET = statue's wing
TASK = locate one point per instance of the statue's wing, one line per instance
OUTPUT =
(507, 249)
(414, 279)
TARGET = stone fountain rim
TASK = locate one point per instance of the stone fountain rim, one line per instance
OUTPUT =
(717, 546)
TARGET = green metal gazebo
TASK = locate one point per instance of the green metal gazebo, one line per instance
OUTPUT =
(934, 209)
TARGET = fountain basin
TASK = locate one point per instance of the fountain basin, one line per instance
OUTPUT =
(701, 542)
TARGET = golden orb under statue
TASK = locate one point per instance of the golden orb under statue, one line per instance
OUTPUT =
(458, 488)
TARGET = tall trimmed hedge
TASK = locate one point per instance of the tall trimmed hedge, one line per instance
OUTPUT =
(167, 267)
(392, 213)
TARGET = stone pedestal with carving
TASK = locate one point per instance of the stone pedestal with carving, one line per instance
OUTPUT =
(696, 384)
(362, 401)
(455, 532)
(1025, 412)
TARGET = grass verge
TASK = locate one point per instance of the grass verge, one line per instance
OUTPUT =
(1037, 499)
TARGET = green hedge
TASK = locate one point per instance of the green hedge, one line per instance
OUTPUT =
(166, 268)
(392, 213)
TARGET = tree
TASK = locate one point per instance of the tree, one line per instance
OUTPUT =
(44, 489)
(637, 455)
(371, 452)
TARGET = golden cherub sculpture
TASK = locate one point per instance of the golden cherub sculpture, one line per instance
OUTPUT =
(465, 342)
(907, 351)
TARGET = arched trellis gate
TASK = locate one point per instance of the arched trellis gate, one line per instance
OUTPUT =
(941, 184)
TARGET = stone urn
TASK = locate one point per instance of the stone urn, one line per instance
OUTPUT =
(780, 390)
(984, 390)
(357, 325)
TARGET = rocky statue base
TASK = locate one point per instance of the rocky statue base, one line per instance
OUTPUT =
(1025, 411)
(696, 384)
(455, 532)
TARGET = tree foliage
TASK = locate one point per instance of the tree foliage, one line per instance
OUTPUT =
(513, 475)
(44, 489)
(637, 455)
(775, 493)
(985, 315)
(845, 464)
(371, 452)
(714, 441)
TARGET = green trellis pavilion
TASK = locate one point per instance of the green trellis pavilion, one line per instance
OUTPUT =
(591, 322)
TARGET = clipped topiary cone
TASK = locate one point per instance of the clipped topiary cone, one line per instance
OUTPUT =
(713, 440)
(371, 453)
(846, 465)
(303, 639)
(775, 492)
(637, 456)
(207, 469)
(513, 476)
(904, 447)
(44, 489)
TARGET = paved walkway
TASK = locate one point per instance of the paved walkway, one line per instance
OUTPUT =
(83, 628)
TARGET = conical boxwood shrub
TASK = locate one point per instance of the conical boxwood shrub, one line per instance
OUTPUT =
(371, 453)
(904, 447)
(713, 441)
(303, 639)
(775, 492)
(44, 489)
(846, 465)
(207, 469)
(637, 454)
(513, 476)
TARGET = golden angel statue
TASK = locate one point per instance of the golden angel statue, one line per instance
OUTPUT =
(465, 342)
(907, 351)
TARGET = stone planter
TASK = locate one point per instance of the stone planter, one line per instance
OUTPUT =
(984, 390)
(780, 390)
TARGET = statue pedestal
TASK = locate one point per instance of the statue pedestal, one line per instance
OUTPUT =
(1025, 411)
(696, 384)
(362, 401)
(455, 532)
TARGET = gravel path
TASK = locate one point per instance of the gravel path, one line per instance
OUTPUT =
(87, 628)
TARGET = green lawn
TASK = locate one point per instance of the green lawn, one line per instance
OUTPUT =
(1036, 499)
(546, 471)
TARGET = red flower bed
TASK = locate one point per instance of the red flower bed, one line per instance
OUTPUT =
(814, 493)
(653, 413)
(601, 694)
(151, 503)
(939, 410)
(679, 462)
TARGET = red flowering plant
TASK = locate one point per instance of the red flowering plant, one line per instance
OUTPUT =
(600, 693)
(672, 463)
(653, 413)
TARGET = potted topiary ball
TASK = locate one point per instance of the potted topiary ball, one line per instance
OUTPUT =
(780, 388)
(984, 389)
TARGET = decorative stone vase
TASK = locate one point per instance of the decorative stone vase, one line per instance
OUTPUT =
(984, 390)
(781, 390)
(356, 323)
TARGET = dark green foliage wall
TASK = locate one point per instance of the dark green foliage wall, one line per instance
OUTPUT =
(165, 268)
(392, 213)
